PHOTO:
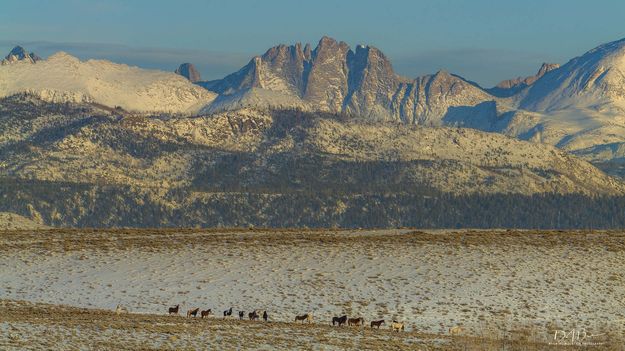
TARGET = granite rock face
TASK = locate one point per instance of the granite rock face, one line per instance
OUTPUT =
(335, 78)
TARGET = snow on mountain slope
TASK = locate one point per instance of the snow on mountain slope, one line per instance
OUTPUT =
(63, 78)
(256, 148)
(579, 107)
(593, 79)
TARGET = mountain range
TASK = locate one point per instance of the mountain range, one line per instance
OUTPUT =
(578, 107)
(328, 130)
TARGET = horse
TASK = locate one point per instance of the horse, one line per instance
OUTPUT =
(456, 330)
(356, 321)
(253, 315)
(396, 326)
(228, 313)
(377, 323)
(206, 313)
(120, 309)
(193, 312)
(305, 317)
(174, 310)
(339, 320)
(265, 316)
(241, 315)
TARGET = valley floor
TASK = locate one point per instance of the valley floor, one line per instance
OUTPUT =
(500, 286)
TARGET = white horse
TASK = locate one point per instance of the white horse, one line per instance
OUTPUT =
(396, 326)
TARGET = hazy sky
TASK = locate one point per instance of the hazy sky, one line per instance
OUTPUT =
(482, 40)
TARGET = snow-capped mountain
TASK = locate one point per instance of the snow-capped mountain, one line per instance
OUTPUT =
(62, 78)
(579, 107)
(597, 77)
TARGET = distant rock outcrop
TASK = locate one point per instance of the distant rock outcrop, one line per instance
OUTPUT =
(20, 54)
(512, 86)
(189, 71)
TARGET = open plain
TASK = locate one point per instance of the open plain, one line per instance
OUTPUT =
(61, 287)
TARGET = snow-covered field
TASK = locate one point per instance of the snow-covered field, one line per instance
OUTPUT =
(432, 281)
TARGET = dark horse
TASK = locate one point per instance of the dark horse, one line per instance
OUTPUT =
(265, 316)
(174, 310)
(241, 315)
(228, 313)
(206, 313)
(253, 315)
(193, 312)
(377, 324)
(339, 320)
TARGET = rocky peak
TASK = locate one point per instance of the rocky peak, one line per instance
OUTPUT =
(510, 87)
(333, 77)
(546, 67)
(17, 54)
(328, 48)
(188, 71)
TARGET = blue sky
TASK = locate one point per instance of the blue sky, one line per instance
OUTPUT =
(482, 40)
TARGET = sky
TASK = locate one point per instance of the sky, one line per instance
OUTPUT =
(485, 41)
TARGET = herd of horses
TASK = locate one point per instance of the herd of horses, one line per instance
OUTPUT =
(254, 315)
(304, 318)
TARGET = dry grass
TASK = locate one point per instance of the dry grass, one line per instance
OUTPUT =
(102, 239)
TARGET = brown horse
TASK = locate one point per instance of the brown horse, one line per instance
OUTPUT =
(206, 313)
(192, 313)
(356, 321)
(305, 317)
(265, 316)
(253, 315)
(339, 320)
(377, 324)
(174, 310)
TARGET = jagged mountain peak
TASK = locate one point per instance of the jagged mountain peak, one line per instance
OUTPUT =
(19, 54)
(336, 78)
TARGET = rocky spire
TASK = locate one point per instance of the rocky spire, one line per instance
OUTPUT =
(188, 70)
